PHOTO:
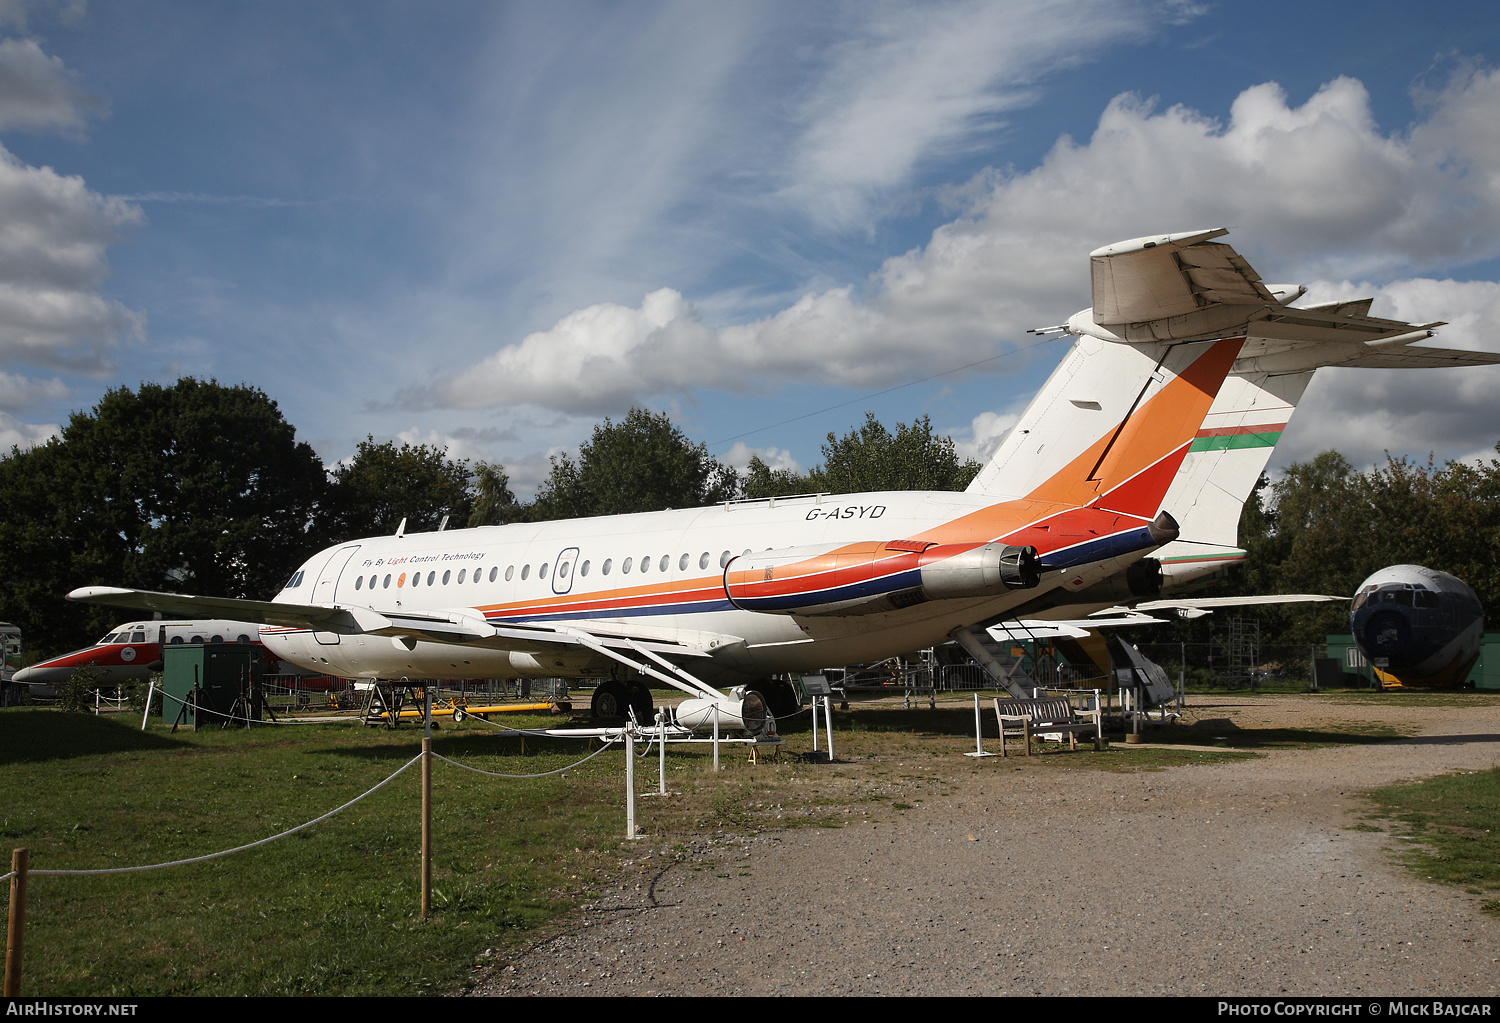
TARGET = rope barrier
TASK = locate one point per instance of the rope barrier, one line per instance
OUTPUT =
(238, 848)
(544, 774)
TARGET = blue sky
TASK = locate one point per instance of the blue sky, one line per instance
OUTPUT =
(487, 226)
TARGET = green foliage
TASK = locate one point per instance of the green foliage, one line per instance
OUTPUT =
(1329, 527)
(762, 481)
(643, 463)
(384, 483)
(196, 486)
(493, 502)
(76, 692)
(870, 459)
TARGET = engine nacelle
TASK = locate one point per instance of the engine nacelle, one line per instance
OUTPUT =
(747, 714)
(1418, 626)
(867, 578)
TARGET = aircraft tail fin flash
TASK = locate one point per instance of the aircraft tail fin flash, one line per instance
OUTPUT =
(1123, 445)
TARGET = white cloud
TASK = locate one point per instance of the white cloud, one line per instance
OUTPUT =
(1363, 413)
(16, 434)
(1309, 189)
(53, 235)
(984, 435)
(37, 91)
(918, 82)
(18, 392)
(775, 459)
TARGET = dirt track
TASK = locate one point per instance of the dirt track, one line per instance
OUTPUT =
(1226, 879)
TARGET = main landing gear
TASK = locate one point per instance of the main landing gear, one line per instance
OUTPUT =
(613, 698)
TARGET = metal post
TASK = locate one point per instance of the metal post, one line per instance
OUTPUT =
(630, 784)
(978, 733)
(716, 735)
(15, 931)
(828, 723)
(815, 723)
(427, 806)
(661, 743)
(150, 692)
(1312, 663)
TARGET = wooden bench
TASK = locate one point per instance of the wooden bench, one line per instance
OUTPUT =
(1022, 719)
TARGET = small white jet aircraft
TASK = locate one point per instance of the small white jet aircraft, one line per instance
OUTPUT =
(738, 592)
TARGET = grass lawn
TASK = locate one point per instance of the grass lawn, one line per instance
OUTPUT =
(1451, 829)
(332, 909)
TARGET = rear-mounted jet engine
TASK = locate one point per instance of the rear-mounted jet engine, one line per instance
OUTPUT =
(861, 579)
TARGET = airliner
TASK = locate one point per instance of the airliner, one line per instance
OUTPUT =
(733, 594)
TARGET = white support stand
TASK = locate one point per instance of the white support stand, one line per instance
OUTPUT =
(661, 754)
(978, 733)
(716, 738)
(150, 692)
(815, 723)
(630, 833)
(828, 723)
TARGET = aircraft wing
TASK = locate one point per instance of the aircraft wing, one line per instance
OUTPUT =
(437, 625)
(1209, 603)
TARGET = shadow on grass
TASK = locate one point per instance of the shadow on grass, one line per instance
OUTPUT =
(29, 734)
(1223, 732)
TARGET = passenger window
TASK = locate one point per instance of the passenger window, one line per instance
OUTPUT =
(541, 572)
(401, 580)
(645, 564)
(218, 639)
(387, 583)
(510, 571)
(585, 569)
(430, 577)
(461, 573)
(176, 639)
(562, 570)
(703, 561)
(372, 582)
(525, 571)
(197, 639)
(494, 572)
(625, 566)
(724, 560)
(682, 563)
(606, 566)
(445, 578)
(416, 580)
(359, 581)
(242, 638)
(140, 637)
(666, 559)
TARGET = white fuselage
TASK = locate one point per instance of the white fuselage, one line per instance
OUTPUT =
(660, 574)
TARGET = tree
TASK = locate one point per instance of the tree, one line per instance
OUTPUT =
(383, 484)
(870, 459)
(644, 463)
(1328, 528)
(196, 486)
(762, 481)
(493, 502)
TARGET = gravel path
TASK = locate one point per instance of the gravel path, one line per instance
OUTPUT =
(1227, 879)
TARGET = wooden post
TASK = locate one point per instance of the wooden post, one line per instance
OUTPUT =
(15, 932)
(427, 806)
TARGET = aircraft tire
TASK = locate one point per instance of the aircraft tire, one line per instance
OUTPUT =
(610, 700)
(639, 699)
(780, 697)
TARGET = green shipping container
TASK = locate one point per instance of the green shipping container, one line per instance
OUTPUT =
(227, 676)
